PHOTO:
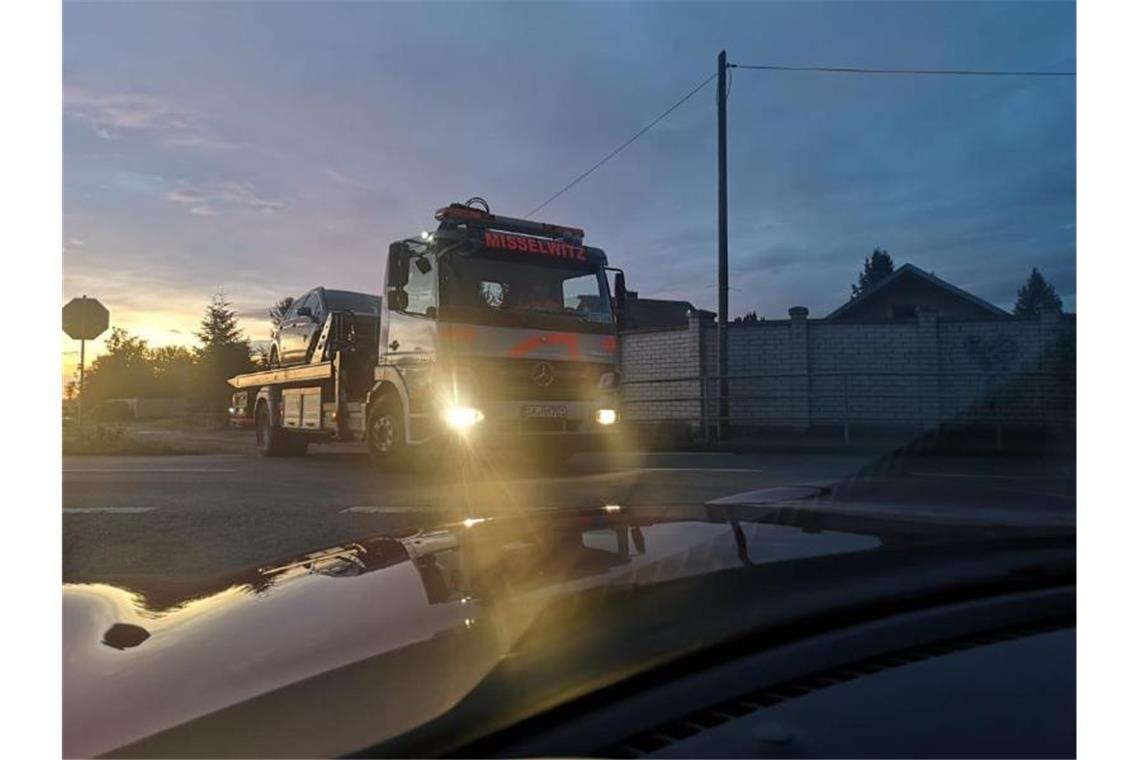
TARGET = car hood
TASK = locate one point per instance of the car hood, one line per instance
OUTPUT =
(338, 649)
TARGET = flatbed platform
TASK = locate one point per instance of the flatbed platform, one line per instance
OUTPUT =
(297, 374)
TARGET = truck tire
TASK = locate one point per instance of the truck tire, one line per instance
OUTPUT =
(387, 446)
(272, 441)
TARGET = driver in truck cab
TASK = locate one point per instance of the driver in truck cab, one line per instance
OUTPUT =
(539, 298)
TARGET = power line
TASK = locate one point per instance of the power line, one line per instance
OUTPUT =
(918, 72)
(621, 147)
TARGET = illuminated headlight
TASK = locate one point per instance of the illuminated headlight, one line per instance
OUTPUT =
(462, 417)
(233, 410)
(606, 416)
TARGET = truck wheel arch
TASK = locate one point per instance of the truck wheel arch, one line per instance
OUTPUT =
(390, 382)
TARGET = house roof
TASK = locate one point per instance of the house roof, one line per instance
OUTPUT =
(910, 270)
(660, 310)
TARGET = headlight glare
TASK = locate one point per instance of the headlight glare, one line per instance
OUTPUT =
(463, 417)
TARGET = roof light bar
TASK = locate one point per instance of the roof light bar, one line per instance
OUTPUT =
(457, 213)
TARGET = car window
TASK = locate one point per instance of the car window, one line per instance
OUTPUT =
(291, 312)
(317, 305)
(310, 302)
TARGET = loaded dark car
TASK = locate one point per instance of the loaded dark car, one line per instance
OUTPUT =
(296, 336)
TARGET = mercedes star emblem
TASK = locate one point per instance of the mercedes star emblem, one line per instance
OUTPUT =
(543, 374)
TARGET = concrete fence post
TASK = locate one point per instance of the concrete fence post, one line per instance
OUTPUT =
(697, 325)
(800, 366)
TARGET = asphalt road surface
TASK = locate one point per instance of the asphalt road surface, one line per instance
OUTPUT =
(207, 515)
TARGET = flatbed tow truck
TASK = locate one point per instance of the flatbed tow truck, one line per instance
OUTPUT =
(493, 331)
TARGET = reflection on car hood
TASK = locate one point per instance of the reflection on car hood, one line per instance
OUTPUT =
(421, 616)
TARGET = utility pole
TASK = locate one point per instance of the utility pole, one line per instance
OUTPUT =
(722, 246)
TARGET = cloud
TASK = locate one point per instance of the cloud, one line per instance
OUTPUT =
(72, 244)
(110, 114)
(205, 200)
(120, 110)
(201, 142)
(348, 181)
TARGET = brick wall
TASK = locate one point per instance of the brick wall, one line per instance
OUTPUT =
(661, 370)
(801, 372)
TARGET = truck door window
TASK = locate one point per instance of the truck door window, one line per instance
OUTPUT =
(583, 295)
(420, 290)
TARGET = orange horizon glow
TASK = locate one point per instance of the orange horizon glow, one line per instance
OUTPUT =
(157, 328)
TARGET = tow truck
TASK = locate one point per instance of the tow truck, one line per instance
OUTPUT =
(494, 331)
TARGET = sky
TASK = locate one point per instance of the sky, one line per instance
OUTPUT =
(261, 149)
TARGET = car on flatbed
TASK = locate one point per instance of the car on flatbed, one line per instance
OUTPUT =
(294, 338)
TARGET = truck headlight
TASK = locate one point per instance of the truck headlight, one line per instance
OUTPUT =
(606, 416)
(462, 417)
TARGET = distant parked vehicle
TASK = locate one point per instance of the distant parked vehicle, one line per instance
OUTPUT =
(293, 341)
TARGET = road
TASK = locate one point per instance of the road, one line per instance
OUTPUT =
(207, 515)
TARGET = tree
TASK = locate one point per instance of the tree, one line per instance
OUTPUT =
(277, 313)
(173, 368)
(749, 317)
(224, 353)
(1035, 296)
(875, 269)
(219, 325)
(124, 370)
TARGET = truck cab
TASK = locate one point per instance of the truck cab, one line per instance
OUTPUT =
(499, 330)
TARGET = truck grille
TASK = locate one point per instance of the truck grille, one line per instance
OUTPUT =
(510, 379)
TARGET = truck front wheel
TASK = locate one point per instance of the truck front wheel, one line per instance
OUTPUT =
(387, 447)
(272, 441)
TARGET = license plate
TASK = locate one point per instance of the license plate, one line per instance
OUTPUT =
(544, 411)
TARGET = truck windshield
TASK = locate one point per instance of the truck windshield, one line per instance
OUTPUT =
(494, 291)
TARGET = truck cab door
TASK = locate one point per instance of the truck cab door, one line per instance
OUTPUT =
(412, 309)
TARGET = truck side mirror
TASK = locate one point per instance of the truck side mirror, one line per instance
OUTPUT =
(398, 299)
(304, 311)
(398, 255)
(619, 295)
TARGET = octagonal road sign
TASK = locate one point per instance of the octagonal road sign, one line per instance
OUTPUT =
(85, 318)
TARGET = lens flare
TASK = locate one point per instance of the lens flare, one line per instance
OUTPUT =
(463, 417)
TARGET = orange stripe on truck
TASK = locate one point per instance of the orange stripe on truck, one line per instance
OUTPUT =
(570, 340)
(457, 333)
